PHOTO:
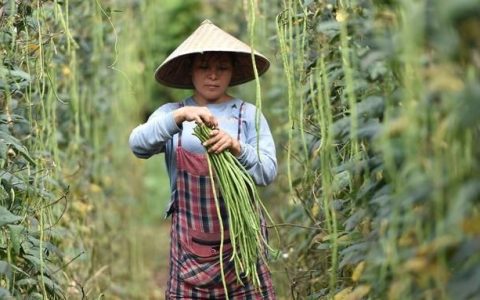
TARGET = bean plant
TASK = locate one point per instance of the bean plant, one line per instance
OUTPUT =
(382, 103)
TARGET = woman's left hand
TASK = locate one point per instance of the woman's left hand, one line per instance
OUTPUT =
(220, 141)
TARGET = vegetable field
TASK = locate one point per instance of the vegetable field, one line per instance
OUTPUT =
(374, 106)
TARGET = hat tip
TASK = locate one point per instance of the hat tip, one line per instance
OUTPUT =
(206, 21)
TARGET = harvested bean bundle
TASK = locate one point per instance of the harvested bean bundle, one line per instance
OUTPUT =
(244, 207)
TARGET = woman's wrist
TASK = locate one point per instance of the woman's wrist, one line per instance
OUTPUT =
(236, 148)
(179, 116)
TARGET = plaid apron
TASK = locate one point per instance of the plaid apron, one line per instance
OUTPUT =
(195, 271)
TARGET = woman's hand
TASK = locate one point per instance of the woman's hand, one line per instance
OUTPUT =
(195, 113)
(220, 141)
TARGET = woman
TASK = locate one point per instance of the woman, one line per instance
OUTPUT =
(209, 61)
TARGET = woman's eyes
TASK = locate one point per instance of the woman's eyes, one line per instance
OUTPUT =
(204, 67)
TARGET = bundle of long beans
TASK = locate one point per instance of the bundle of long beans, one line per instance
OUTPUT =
(244, 207)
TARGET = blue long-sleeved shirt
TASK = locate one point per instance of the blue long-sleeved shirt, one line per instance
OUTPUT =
(159, 134)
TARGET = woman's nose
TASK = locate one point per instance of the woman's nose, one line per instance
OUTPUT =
(212, 73)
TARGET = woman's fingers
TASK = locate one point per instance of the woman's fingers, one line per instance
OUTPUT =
(198, 120)
(199, 115)
(214, 138)
(214, 132)
(219, 141)
(207, 117)
(211, 121)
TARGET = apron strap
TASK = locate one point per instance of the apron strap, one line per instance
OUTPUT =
(179, 142)
(240, 120)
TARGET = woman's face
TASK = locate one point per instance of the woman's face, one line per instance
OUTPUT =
(211, 77)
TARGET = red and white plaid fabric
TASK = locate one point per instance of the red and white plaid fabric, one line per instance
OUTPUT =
(195, 271)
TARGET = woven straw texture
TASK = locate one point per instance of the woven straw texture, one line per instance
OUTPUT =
(175, 71)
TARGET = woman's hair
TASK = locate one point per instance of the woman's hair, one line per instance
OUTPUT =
(191, 58)
(231, 55)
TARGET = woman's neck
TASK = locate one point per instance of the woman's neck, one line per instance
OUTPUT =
(203, 101)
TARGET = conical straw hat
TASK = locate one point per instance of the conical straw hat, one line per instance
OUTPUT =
(175, 71)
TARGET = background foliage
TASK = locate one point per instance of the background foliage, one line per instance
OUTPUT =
(374, 107)
(385, 166)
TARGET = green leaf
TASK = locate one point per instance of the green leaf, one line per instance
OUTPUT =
(10, 181)
(355, 219)
(5, 268)
(19, 74)
(26, 282)
(354, 254)
(367, 189)
(341, 127)
(47, 247)
(341, 181)
(52, 286)
(35, 295)
(307, 2)
(464, 285)
(14, 79)
(330, 28)
(10, 8)
(372, 106)
(37, 263)
(31, 246)
(6, 217)
(16, 236)
(3, 150)
(9, 140)
(369, 130)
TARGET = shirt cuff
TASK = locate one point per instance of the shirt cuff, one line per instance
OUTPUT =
(242, 158)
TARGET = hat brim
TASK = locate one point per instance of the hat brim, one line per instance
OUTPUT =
(177, 72)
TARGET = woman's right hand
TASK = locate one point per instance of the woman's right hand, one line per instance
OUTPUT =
(199, 114)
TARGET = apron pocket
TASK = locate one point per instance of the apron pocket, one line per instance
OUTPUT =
(205, 274)
(200, 261)
(206, 246)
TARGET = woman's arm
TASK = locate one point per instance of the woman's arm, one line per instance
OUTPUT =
(149, 138)
(261, 164)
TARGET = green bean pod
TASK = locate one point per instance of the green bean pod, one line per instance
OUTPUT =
(244, 208)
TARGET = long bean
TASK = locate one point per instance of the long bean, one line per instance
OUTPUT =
(244, 208)
(219, 214)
